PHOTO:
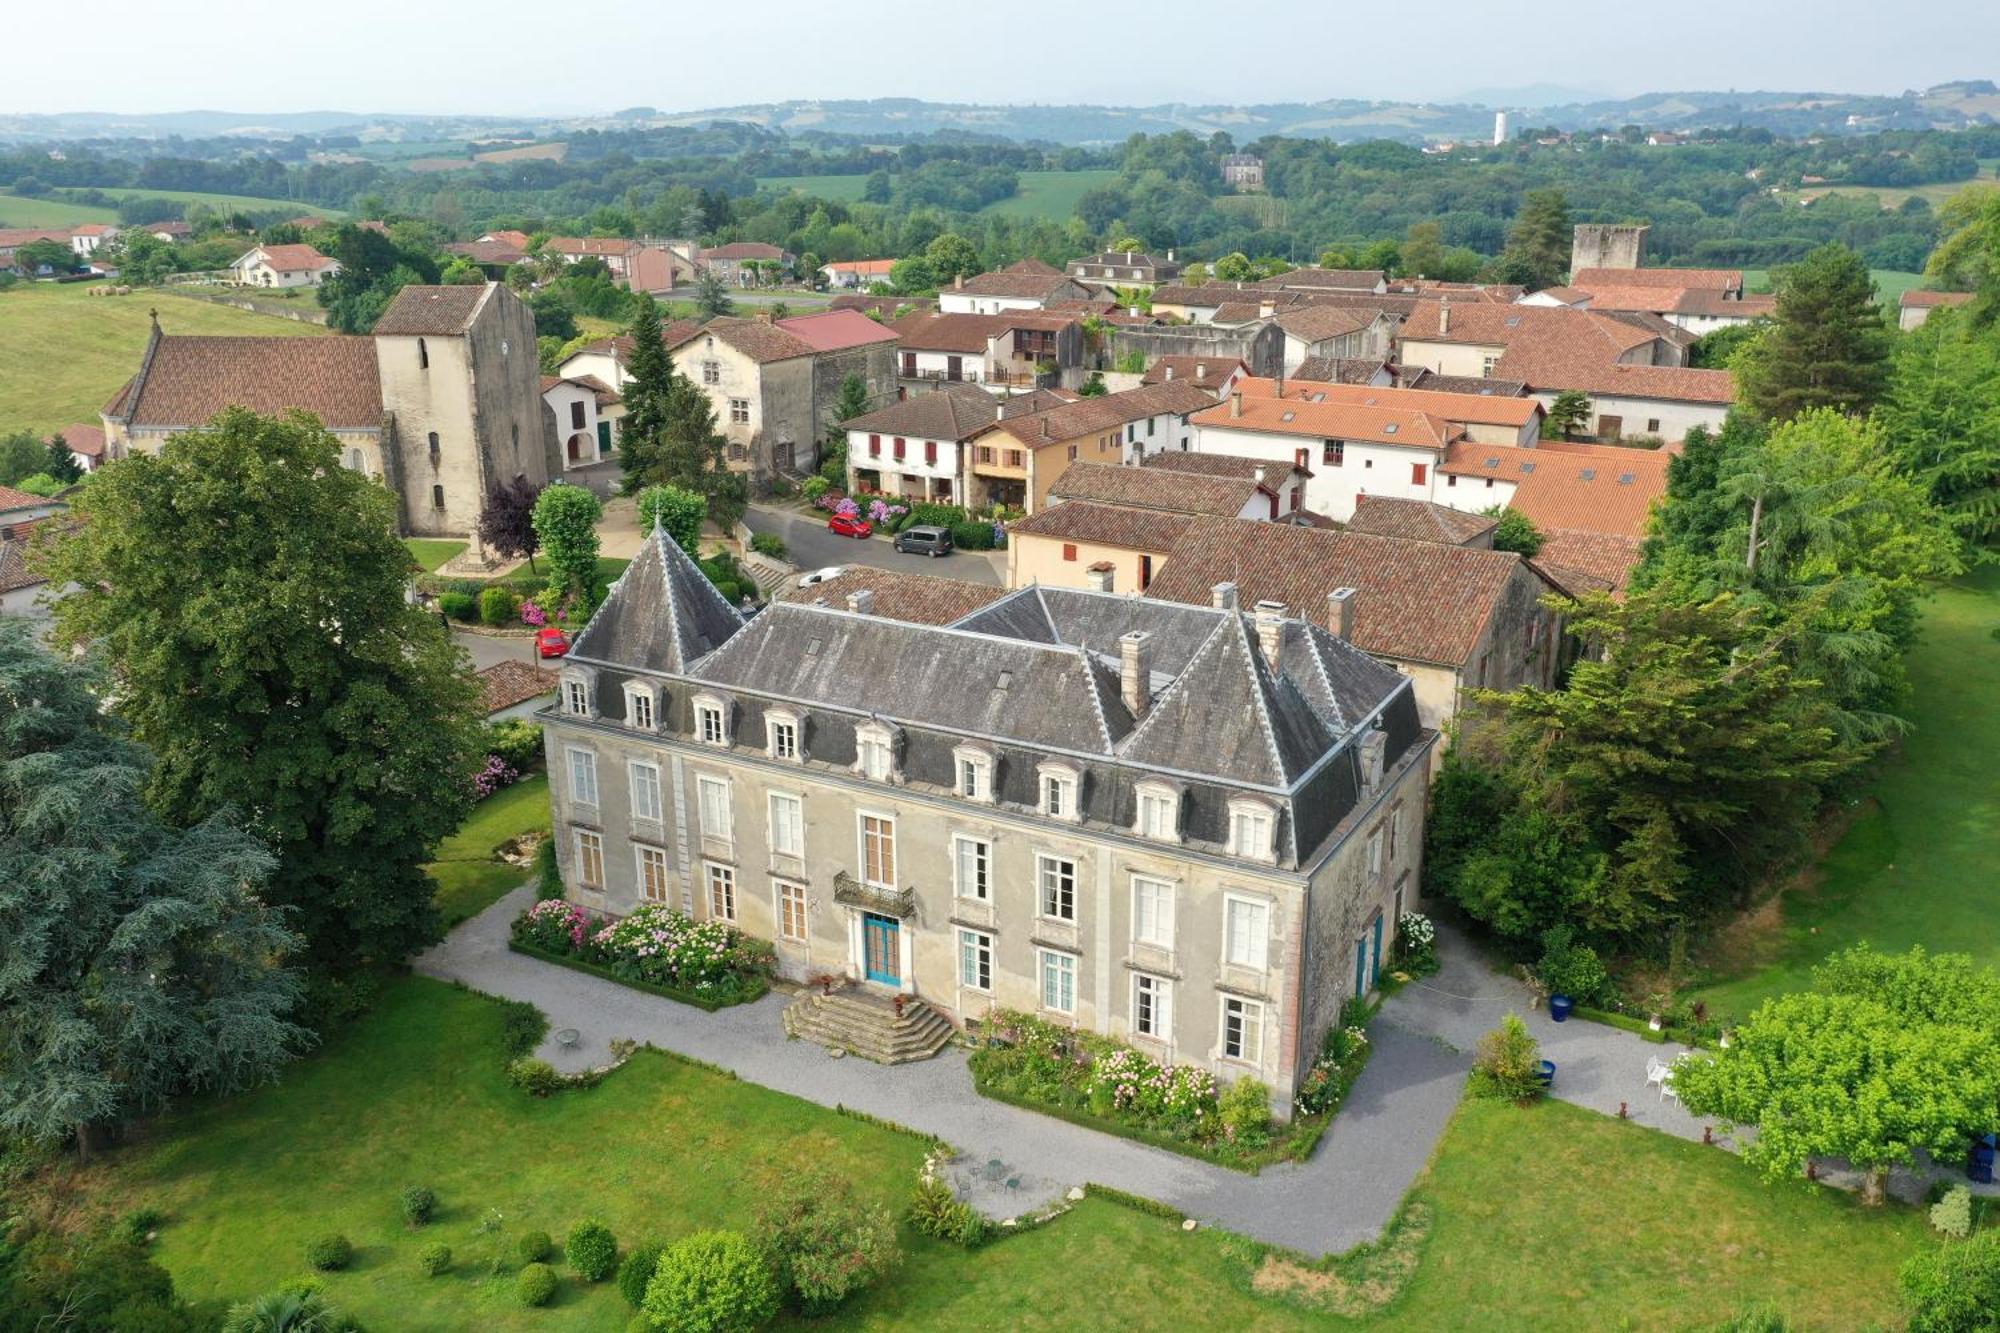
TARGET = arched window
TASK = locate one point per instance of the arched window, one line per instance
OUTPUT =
(437, 497)
(434, 449)
(423, 355)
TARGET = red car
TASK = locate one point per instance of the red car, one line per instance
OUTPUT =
(849, 525)
(551, 642)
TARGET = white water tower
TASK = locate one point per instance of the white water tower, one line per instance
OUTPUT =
(1499, 128)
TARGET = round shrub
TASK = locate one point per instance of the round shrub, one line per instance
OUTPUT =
(814, 486)
(711, 1282)
(636, 1272)
(434, 1258)
(591, 1250)
(534, 1076)
(458, 605)
(1245, 1106)
(972, 536)
(534, 1246)
(330, 1253)
(419, 1205)
(499, 605)
(536, 1285)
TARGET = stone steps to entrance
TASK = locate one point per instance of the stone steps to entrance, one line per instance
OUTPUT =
(868, 1026)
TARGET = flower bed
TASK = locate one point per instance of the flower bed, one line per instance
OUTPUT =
(656, 948)
(1104, 1084)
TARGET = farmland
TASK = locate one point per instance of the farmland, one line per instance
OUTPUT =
(1043, 194)
(18, 212)
(1889, 283)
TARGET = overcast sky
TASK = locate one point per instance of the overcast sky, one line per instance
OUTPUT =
(533, 57)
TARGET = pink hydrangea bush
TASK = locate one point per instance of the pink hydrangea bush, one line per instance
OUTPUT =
(496, 774)
(532, 613)
(655, 944)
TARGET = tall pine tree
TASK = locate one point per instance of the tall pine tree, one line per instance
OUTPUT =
(1827, 346)
(1538, 247)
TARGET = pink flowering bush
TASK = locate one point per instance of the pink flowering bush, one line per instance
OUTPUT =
(532, 613)
(882, 512)
(496, 774)
(656, 945)
(846, 508)
(832, 501)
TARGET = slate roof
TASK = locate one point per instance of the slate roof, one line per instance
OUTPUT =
(951, 412)
(505, 684)
(1104, 525)
(1156, 488)
(186, 380)
(435, 311)
(1586, 487)
(1417, 601)
(661, 615)
(1419, 521)
(921, 599)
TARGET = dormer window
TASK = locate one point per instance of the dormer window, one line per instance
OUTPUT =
(875, 752)
(576, 696)
(1059, 792)
(640, 706)
(972, 770)
(711, 720)
(1159, 813)
(781, 735)
(1251, 826)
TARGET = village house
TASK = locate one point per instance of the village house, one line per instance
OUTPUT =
(1124, 268)
(914, 449)
(774, 383)
(441, 403)
(1028, 285)
(1188, 827)
(1212, 375)
(514, 689)
(1326, 279)
(1365, 370)
(1488, 339)
(85, 444)
(1017, 459)
(494, 258)
(13, 238)
(1914, 307)
(740, 263)
(1243, 172)
(172, 232)
(86, 238)
(583, 407)
(614, 252)
(1335, 331)
(855, 274)
(1015, 349)
(283, 266)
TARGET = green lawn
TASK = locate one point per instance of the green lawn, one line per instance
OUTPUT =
(248, 203)
(63, 352)
(18, 212)
(1916, 866)
(469, 878)
(430, 553)
(1551, 1217)
(1050, 194)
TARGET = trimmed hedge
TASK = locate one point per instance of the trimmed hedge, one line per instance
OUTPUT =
(756, 991)
(459, 605)
(1136, 1202)
(972, 535)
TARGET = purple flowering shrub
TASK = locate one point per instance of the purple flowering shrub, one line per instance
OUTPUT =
(532, 613)
(832, 501)
(880, 511)
(655, 944)
(498, 773)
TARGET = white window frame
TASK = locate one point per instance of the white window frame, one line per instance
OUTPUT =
(583, 788)
(1250, 1030)
(1260, 952)
(979, 943)
(633, 770)
(871, 738)
(1162, 991)
(1059, 786)
(1161, 918)
(641, 699)
(1150, 795)
(797, 849)
(861, 818)
(980, 892)
(705, 783)
(578, 840)
(969, 761)
(576, 696)
(1044, 958)
(1244, 817)
(715, 875)
(646, 855)
(778, 722)
(783, 891)
(711, 720)
(1043, 862)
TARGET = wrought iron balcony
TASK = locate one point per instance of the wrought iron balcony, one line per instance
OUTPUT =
(887, 902)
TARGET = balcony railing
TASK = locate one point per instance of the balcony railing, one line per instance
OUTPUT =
(887, 902)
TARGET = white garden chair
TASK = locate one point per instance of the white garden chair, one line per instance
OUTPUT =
(1659, 1072)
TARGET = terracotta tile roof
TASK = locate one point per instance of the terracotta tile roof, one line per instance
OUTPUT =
(505, 684)
(1424, 378)
(488, 252)
(951, 412)
(1341, 369)
(1204, 372)
(18, 539)
(836, 330)
(1485, 409)
(755, 338)
(1033, 401)
(1582, 560)
(921, 599)
(1549, 332)
(13, 237)
(862, 268)
(1157, 489)
(1209, 294)
(436, 311)
(1678, 384)
(290, 258)
(13, 499)
(94, 229)
(1565, 295)
(83, 441)
(1105, 525)
(1718, 279)
(596, 246)
(1707, 301)
(620, 346)
(1316, 279)
(190, 379)
(1033, 265)
(1584, 487)
(1016, 284)
(1332, 421)
(1088, 415)
(1419, 521)
(1917, 300)
(744, 250)
(517, 239)
(1239, 312)
(886, 306)
(1219, 465)
(1416, 601)
(928, 332)
(1315, 323)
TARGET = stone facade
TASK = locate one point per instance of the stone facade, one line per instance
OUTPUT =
(1602, 245)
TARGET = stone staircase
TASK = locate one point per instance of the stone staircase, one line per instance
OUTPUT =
(867, 1025)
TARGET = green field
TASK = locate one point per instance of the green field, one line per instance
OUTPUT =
(1549, 1217)
(248, 203)
(63, 352)
(841, 189)
(1891, 196)
(1916, 865)
(1050, 194)
(18, 212)
(1890, 284)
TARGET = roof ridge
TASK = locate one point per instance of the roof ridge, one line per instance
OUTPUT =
(1090, 684)
(1261, 685)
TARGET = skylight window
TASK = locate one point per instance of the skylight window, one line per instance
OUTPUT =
(1627, 478)
(1493, 462)
(1389, 429)
(1289, 416)
(1527, 467)
(1588, 474)
(1006, 681)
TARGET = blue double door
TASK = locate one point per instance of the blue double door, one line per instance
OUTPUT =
(1368, 959)
(882, 948)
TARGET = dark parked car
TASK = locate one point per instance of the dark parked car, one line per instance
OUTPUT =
(924, 539)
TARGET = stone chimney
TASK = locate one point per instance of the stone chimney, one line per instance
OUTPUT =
(1101, 576)
(1373, 750)
(1128, 256)
(1340, 612)
(1169, 372)
(1444, 316)
(861, 601)
(1258, 474)
(958, 282)
(1170, 254)
(1236, 403)
(1271, 631)
(1266, 309)
(1135, 671)
(1223, 597)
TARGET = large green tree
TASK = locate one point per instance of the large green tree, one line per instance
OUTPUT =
(1826, 346)
(565, 519)
(274, 666)
(1941, 421)
(1882, 1058)
(1538, 245)
(137, 960)
(669, 435)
